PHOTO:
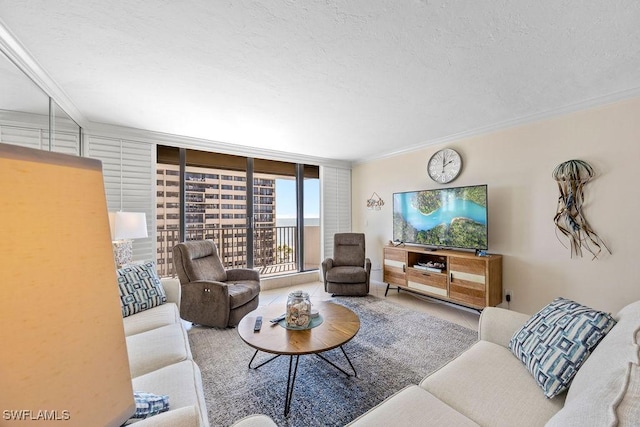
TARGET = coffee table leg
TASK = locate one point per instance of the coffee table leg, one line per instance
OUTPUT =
(355, 374)
(290, 382)
(263, 363)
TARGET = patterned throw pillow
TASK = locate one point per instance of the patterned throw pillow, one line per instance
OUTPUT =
(140, 288)
(555, 342)
(148, 404)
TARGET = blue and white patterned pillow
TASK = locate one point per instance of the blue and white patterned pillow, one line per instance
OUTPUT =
(140, 288)
(149, 404)
(556, 341)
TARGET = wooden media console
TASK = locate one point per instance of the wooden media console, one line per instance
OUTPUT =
(455, 276)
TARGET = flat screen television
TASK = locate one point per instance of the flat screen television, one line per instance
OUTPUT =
(453, 218)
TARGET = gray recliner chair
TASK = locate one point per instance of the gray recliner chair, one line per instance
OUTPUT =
(348, 272)
(211, 295)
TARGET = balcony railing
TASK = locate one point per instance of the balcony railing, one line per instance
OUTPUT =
(273, 252)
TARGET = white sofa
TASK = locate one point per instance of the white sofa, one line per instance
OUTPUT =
(160, 362)
(488, 386)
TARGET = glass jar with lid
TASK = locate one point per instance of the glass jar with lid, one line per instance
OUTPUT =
(298, 314)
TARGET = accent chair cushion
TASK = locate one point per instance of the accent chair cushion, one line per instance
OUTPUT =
(198, 260)
(347, 274)
(556, 341)
(348, 249)
(140, 288)
(242, 293)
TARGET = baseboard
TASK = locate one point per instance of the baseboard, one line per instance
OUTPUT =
(276, 282)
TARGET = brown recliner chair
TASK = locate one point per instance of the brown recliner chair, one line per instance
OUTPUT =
(211, 295)
(347, 273)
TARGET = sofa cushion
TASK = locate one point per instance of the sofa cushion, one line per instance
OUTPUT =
(556, 341)
(409, 406)
(157, 348)
(163, 315)
(182, 382)
(490, 386)
(606, 389)
(140, 288)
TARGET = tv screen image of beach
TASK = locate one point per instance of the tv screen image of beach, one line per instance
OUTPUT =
(450, 217)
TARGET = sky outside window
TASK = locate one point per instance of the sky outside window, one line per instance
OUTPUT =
(286, 198)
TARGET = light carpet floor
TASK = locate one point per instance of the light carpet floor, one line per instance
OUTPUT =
(394, 347)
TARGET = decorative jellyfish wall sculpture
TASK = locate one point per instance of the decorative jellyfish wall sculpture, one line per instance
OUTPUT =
(571, 177)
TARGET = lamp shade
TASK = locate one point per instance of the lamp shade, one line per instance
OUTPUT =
(63, 354)
(128, 225)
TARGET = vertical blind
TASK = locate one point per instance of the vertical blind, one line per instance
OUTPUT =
(336, 204)
(129, 169)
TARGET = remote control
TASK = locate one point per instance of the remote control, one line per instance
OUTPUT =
(279, 318)
(258, 324)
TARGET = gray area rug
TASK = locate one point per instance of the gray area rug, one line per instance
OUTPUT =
(395, 347)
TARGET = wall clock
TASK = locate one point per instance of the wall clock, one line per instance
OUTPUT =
(444, 166)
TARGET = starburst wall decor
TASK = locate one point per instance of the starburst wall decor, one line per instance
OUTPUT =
(375, 202)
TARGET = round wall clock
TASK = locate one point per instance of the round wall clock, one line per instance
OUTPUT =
(444, 166)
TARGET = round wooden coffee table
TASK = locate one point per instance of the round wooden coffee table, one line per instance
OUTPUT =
(339, 326)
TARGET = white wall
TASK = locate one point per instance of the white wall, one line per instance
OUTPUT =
(517, 164)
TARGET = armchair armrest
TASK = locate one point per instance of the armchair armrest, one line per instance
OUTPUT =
(172, 289)
(327, 265)
(367, 265)
(241, 274)
(498, 325)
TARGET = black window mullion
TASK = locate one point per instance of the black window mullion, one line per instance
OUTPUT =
(249, 213)
(300, 216)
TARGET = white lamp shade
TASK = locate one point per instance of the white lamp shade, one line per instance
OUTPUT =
(128, 225)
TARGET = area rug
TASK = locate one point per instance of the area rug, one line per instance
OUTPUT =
(395, 347)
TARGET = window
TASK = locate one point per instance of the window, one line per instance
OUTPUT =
(269, 242)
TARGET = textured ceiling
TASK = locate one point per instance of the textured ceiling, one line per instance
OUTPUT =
(338, 79)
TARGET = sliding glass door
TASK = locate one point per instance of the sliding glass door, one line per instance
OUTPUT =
(247, 206)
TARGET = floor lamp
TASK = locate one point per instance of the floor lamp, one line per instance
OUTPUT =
(63, 355)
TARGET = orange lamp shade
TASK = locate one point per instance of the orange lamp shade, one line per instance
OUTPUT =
(63, 356)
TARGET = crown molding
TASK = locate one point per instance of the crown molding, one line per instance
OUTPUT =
(20, 56)
(102, 130)
(520, 121)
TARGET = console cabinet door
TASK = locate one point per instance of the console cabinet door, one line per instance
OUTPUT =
(468, 281)
(395, 265)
